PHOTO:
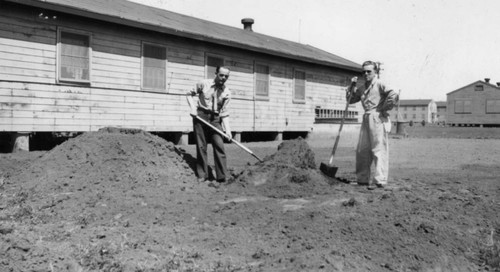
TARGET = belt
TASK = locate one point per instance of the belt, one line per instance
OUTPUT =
(208, 111)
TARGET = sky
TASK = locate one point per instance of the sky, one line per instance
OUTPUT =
(428, 48)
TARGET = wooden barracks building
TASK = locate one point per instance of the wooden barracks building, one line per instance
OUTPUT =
(476, 104)
(71, 66)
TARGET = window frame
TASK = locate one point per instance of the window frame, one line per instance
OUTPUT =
(260, 96)
(60, 31)
(154, 89)
(298, 100)
(211, 55)
(463, 107)
(497, 107)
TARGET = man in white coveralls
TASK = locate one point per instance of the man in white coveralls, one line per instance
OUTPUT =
(373, 145)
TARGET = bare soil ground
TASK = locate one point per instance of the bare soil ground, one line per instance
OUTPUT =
(125, 200)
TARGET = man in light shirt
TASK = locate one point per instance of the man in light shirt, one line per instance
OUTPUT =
(373, 144)
(213, 100)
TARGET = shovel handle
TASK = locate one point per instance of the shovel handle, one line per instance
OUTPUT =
(224, 135)
(341, 125)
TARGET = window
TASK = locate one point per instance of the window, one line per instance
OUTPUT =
(423, 108)
(299, 90)
(492, 106)
(467, 107)
(463, 106)
(414, 108)
(478, 88)
(262, 80)
(414, 116)
(212, 63)
(154, 67)
(423, 116)
(405, 116)
(74, 57)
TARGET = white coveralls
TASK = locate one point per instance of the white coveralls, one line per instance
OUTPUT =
(373, 143)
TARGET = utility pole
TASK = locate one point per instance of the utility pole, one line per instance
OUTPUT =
(379, 67)
(300, 26)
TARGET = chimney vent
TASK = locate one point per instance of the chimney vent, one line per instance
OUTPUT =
(247, 23)
(487, 80)
(498, 84)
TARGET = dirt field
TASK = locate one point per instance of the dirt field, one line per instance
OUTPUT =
(125, 200)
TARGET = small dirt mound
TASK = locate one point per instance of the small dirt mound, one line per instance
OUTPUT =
(294, 153)
(111, 168)
(289, 173)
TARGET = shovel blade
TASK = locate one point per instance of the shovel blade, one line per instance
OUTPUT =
(328, 170)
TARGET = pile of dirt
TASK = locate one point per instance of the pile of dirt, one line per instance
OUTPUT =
(125, 200)
(77, 206)
(289, 173)
(112, 166)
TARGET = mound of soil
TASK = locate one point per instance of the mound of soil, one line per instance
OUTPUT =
(289, 173)
(112, 166)
(125, 200)
(74, 195)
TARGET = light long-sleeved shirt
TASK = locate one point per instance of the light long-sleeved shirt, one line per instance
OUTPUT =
(212, 97)
(377, 97)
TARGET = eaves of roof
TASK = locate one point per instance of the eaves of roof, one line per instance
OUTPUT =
(414, 102)
(474, 83)
(167, 22)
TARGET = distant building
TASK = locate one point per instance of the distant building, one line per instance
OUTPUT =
(441, 111)
(416, 110)
(476, 104)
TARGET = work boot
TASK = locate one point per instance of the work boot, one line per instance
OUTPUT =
(214, 184)
(202, 180)
(371, 187)
(375, 186)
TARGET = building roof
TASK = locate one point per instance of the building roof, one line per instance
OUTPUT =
(154, 19)
(474, 83)
(441, 104)
(414, 102)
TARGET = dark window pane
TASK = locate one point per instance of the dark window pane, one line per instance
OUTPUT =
(300, 85)
(74, 53)
(155, 66)
(262, 77)
(212, 63)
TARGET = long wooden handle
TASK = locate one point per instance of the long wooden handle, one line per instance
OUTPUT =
(340, 128)
(224, 135)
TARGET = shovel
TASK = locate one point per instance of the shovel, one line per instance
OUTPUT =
(224, 135)
(329, 169)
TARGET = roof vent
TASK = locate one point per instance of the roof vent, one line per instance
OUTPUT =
(487, 80)
(247, 23)
(498, 84)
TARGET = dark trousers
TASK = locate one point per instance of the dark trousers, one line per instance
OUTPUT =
(202, 132)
